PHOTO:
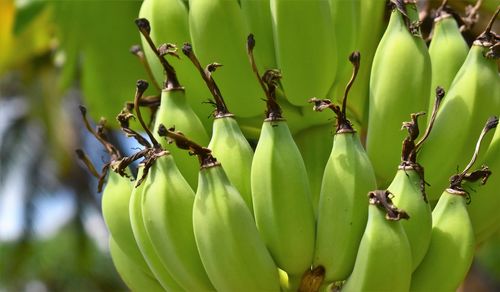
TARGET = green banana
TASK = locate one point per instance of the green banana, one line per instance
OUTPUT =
(384, 257)
(135, 278)
(448, 50)
(452, 245)
(280, 190)
(370, 28)
(170, 23)
(474, 95)
(233, 254)
(115, 197)
(151, 153)
(305, 45)
(408, 194)
(343, 210)
(231, 249)
(115, 206)
(345, 20)
(228, 142)
(167, 208)
(257, 14)
(144, 241)
(408, 187)
(399, 85)
(174, 109)
(218, 32)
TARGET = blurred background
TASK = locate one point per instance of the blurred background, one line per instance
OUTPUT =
(54, 56)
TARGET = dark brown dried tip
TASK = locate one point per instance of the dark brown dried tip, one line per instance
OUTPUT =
(143, 25)
(382, 199)
(312, 279)
(142, 85)
(250, 42)
(355, 57)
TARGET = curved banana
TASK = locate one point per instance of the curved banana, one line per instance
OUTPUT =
(452, 244)
(257, 14)
(399, 85)
(343, 210)
(408, 186)
(115, 206)
(144, 241)
(228, 142)
(174, 109)
(135, 278)
(474, 95)
(170, 24)
(384, 257)
(175, 112)
(167, 211)
(305, 45)
(280, 190)
(233, 254)
(218, 33)
(345, 20)
(231, 249)
(370, 28)
(115, 197)
(448, 50)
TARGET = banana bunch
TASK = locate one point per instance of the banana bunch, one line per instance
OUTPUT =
(269, 195)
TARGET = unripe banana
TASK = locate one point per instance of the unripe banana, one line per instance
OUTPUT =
(170, 24)
(174, 109)
(218, 33)
(371, 26)
(134, 277)
(115, 197)
(399, 85)
(407, 190)
(383, 262)
(257, 14)
(452, 244)
(231, 249)
(473, 96)
(175, 112)
(233, 254)
(448, 50)
(280, 190)
(451, 248)
(345, 20)
(305, 48)
(282, 200)
(144, 241)
(234, 151)
(228, 142)
(408, 186)
(343, 210)
(167, 210)
(115, 206)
